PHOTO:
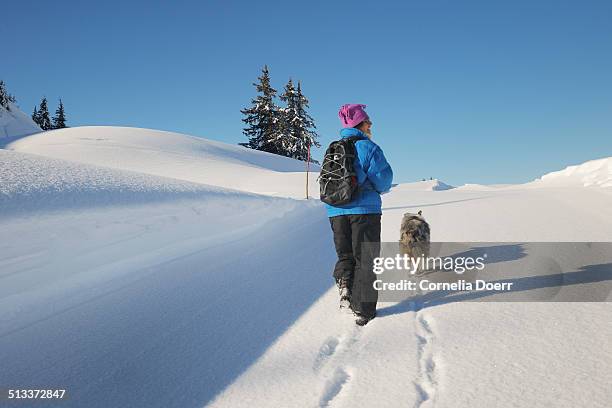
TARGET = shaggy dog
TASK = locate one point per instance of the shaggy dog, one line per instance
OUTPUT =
(414, 237)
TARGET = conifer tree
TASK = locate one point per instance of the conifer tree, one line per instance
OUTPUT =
(299, 133)
(5, 98)
(43, 115)
(288, 117)
(36, 116)
(263, 118)
(309, 135)
(59, 120)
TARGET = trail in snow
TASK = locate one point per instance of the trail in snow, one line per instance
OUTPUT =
(333, 365)
(426, 382)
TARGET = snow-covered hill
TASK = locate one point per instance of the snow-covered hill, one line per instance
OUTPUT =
(134, 273)
(594, 173)
(14, 122)
(474, 186)
(33, 184)
(426, 185)
(174, 155)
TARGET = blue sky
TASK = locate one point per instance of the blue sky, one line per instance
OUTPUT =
(465, 91)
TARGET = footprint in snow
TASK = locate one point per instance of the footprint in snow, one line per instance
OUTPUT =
(325, 352)
(334, 386)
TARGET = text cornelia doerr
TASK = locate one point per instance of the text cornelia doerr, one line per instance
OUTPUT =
(426, 285)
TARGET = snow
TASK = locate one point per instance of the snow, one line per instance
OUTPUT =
(144, 268)
(425, 185)
(173, 155)
(15, 123)
(453, 354)
(594, 173)
(32, 183)
(474, 186)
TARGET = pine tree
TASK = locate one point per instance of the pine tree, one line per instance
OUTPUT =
(289, 116)
(43, 115)
(36, 115)
(299, 125)
(59, 120)
(263, 118)
(4, 96)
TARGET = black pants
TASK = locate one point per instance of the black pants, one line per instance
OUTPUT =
(355, 261)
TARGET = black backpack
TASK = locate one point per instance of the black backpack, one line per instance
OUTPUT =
(338, 180)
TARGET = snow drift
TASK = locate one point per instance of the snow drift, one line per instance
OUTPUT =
(594, 173)
(425, 185)
(33, 184)
(173, 155)
(110, 266)
(15, 123)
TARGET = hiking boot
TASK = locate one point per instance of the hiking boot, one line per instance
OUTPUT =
(363, 320)
(345, 295)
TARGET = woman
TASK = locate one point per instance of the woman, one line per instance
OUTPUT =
(358, 222)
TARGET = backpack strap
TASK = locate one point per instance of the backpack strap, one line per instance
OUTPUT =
(351, 139)
(354, 139)
(367, 184)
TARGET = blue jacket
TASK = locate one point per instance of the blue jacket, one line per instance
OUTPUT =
(374, 176)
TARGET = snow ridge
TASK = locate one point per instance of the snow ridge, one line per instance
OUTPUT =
(425, 185)
(596, 173)
(172, 155)
(32, 183)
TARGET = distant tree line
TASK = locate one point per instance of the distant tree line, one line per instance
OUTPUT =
(287, 131)
(41, 115)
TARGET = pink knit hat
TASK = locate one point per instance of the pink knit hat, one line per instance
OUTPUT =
(352, 114)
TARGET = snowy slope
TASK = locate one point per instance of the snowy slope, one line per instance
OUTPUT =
(119, 273)
(130, 287)
(15, 123)
(594, 173)
(172, 155)
(35, 184)
(453, 354)
(474, 186)
(427, 185)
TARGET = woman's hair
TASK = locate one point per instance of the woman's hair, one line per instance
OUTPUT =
(359, 127)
